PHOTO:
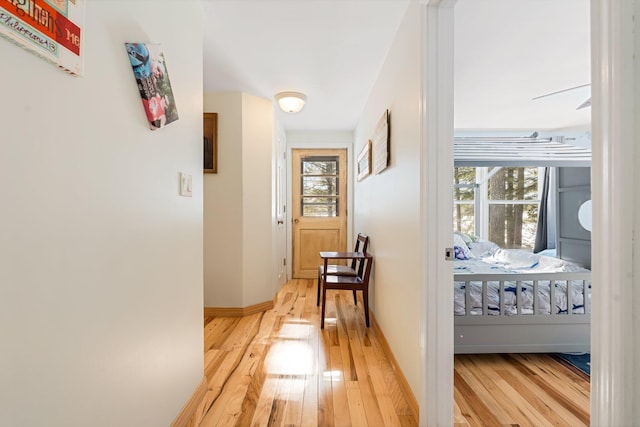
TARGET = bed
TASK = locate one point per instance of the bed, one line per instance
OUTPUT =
(514, 301)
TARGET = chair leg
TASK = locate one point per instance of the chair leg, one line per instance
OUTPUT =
(355, 298)
(324, 303)
(365, 298)
(319, 285)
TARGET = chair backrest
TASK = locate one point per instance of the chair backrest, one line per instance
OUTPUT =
(362, 240)
(364, 273)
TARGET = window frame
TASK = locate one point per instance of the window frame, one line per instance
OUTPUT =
(482, 202)
(333, 209)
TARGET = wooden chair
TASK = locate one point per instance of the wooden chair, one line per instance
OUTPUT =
(362, 243)
(360, 282)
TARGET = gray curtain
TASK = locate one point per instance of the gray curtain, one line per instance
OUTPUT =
(543, 216)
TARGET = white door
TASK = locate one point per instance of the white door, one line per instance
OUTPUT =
(281, 210)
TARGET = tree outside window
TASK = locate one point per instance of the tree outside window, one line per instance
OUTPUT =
(320, 184)
(509, 201)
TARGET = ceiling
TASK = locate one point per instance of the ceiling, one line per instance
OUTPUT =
(507, 52)
(510, 51)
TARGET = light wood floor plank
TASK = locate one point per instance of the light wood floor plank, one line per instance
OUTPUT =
(310, 402)
(264, 405)
(486, 390)
(387, 409)
(339, 390)
(357, 417)
(369, 399)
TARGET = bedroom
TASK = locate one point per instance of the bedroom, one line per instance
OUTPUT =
(516, 193)
(506, 131)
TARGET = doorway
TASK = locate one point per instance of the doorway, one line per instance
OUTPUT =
(319, 207)
(507, 191)
(613, 140)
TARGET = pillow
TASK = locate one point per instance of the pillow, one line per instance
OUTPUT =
(465, 237)
(458, 253)
(461, 250)
(482, 248)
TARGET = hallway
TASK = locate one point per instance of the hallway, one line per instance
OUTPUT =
(278, 368)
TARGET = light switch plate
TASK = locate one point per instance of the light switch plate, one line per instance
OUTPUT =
(186, 184)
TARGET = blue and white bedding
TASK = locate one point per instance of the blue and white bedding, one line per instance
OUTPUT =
(483, 257)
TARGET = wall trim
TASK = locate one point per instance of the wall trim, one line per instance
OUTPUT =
(436, 222)
(188, 411)
(613, 390)
(402, 380)
(238, 311)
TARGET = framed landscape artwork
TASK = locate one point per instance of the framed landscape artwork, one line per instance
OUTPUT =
(210, 142)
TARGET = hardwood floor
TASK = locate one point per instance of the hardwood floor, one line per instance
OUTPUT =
(279, 368)
(519, 390)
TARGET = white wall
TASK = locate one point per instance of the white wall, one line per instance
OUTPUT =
(223, 206)
(100, 258)
(258, 195)
(319, 138)
(238, 208)
(387, 205)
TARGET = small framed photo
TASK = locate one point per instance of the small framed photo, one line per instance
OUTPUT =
(364, 161)
(210, 142)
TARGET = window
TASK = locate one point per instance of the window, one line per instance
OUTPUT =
(320, 186)
(513, 207)
(464, 200)
(502, 206)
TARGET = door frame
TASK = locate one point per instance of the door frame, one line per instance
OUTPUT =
(614, 388)
(436, 219)
(311, 141)
(280, 230)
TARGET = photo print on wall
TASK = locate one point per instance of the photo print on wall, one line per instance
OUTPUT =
(152, 77)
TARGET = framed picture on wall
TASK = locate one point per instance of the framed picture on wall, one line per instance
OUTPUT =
(210, 142)
(381, 143)
(364, 161)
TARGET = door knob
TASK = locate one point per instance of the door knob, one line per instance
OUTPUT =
(295, 220)
(280, 222)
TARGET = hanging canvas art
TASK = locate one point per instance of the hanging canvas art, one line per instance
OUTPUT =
(364, 161)
(52, 29)
(152, 77)
(381, 144)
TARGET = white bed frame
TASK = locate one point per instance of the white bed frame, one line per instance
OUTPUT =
(523, 333)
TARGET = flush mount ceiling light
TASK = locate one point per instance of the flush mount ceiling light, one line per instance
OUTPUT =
(291, 102)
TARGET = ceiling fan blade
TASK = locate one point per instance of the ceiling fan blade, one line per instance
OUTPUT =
(585, 104)
(560, 91)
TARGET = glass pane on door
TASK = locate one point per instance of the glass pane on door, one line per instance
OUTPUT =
(320, 183)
